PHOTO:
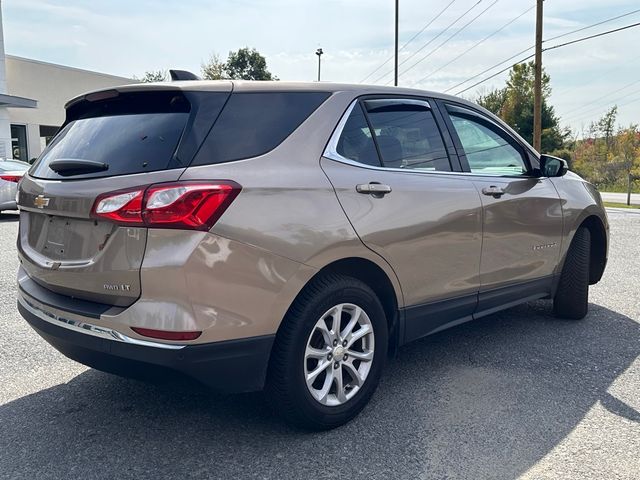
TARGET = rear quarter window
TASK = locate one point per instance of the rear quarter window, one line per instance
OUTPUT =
(253, 124)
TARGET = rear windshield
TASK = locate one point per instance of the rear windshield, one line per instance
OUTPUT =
(136, 139)
(253, 124)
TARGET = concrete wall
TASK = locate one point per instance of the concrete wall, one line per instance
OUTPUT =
(52, 86)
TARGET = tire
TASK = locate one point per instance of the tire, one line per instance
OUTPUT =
(571, 300)
(302, 332)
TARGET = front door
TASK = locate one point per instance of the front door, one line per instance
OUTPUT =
(522, 226)
(393, 177)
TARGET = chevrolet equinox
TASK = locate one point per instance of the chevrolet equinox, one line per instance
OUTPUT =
(291, 236)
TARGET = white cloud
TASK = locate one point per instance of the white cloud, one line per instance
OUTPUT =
(127, 38)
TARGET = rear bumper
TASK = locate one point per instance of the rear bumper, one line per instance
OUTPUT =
(230, 366)
(8, 205)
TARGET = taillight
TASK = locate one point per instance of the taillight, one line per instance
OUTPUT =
(11, 178)
(120, 207)
(187, 205)
(167, 334)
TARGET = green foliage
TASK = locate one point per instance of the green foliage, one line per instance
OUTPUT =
(514, 104)
(247, 64)
(244, 64)
(606, 125)
(494, 100)
(153, 76)
(610, 157)
(213, 69)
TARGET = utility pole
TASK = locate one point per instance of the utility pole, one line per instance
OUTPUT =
(395, 70)
(319, 52)
(537, 87)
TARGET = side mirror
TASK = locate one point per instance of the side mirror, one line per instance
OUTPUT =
(552, 166)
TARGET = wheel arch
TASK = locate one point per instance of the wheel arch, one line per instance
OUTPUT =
(373, 275)
(599, 247)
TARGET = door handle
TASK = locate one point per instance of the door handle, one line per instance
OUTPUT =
(493, 191)
(376, 189)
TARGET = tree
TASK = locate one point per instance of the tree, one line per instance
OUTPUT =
(247, 64)
(153, 76)
(628, 147)
(514, 104)
(213, 69)
(606, 126)
(610, 155)
(494, 100)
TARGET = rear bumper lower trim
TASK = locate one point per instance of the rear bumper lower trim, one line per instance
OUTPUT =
(230, 366)
(90, 329)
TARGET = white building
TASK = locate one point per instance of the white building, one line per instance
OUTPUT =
(51, 86)
(32, 99)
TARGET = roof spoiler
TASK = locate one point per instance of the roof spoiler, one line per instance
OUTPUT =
(177, 75)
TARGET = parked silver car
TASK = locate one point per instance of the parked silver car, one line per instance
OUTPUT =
(291, 235)
(11, 171)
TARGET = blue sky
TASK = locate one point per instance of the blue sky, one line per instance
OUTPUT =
(129, 37)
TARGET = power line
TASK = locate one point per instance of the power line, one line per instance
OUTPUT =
(475, 45)
(598, 75)
(608, 32)
(529, 48)
(433, 39)
(601, 97)
(589, 111)
(495, 74)
(491, 68)
(593, 25)
(451, 36)
(619, 105)
(411, 39)
(602, 109)
(593, 36)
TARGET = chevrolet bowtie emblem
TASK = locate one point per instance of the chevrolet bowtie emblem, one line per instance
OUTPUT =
(41, 201)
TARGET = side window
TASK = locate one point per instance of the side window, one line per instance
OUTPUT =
(356, 142)
(407, 135)
(487, 148)
(254, 123)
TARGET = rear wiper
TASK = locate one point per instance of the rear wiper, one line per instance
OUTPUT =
(76, 166)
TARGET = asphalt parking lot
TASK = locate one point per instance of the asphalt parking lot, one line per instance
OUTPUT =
(519, 394)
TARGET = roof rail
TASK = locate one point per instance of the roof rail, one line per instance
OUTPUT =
(177, 75)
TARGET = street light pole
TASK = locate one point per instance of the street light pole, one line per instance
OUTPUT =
(319, 52)
(395, 70)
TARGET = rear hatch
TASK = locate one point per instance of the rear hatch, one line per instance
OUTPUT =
(112, 140)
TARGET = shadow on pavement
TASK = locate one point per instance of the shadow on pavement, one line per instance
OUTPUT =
(6, 217)
(484, 400)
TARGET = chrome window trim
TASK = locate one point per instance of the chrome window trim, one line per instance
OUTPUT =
(90, 329)
(405, 101)
(331, 152)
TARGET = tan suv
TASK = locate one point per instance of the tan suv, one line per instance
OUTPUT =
(291, 236)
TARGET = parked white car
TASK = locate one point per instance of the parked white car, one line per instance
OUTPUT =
(11, 171)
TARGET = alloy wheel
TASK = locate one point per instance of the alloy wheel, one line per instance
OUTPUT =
(339, 354)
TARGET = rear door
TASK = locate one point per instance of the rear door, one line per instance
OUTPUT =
(522, 211)
(111, 140)
(393, 175)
